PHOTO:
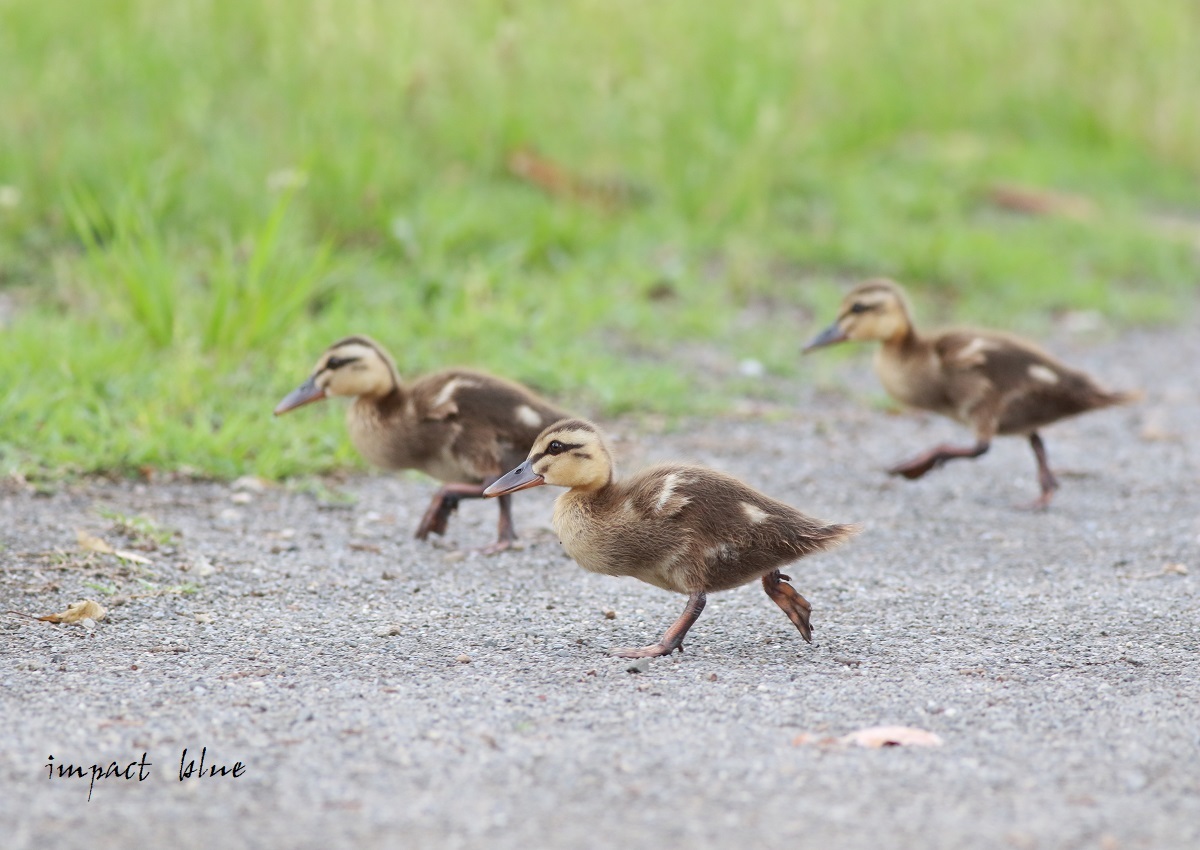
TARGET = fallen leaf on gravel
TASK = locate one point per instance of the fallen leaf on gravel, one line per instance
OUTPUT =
(126, 555)
(92, 543)
(806, 738)
(891, 736)
(249, 482)
(77, 612)
(1156, 427)
(1167, 570)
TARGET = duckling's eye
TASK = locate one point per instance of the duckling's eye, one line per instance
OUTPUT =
(858, 307)
(555, 448)
(338, 362)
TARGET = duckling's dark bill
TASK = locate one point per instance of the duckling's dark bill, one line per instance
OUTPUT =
(302, 395)
(829, 336)
(521, 478)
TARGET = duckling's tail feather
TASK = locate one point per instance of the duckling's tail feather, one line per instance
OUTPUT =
(825, 537)
(1125, 397)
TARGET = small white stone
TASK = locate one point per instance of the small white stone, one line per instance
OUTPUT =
(752, 368)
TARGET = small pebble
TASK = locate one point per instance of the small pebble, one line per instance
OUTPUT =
(463, 659)
(203, 568)
(752, 368)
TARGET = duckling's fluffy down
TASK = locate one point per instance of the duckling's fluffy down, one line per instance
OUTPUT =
(688, 529)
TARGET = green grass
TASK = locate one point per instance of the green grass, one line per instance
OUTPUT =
(202, 195)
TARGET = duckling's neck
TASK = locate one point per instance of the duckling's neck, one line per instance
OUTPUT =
(584, 519)
(908, 368)
(904, 343)
(390, 403)
(379, 428)
(596, 491)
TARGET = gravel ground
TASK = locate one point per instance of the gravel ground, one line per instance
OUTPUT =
(387, 693)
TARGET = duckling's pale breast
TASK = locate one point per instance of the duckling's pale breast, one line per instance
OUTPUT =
(371, 436)
(393, 442)
(913, 378)
(614, 539)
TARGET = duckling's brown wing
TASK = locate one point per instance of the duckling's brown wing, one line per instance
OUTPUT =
(487, 424)
(1006, 385)
(727, 533)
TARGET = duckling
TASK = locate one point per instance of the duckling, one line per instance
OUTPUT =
(459, 426)
(679, 527)
(992, 382)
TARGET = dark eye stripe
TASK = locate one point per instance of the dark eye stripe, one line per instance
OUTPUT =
(566, 447)
(339, 362)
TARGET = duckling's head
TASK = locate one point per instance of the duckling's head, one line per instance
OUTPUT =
(571, 453)
(873, 310)
(354, 366)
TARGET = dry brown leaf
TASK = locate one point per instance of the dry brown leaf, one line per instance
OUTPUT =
(892, 736)
(126, 555)
(1156, 426)
(91, 543)
(1032, 200)
(559, 182)
(77, 611)
(806, 738)
(1173, 569)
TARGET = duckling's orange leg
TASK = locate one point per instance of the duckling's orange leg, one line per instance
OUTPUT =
(1045, 477)
(445, 502)
(505, 532)
(935, 457)
(672, 639)
(789, 599)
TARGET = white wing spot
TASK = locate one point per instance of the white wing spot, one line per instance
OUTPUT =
(526, 415)
(452, 386)
(972, 354)
(720, 552)
(1043, 373)
(667, 490)
(754, 513)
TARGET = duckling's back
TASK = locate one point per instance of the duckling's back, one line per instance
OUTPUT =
(1031, 388)
(687, 529)
(513, 414)
(472, 425)
(742, 534)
